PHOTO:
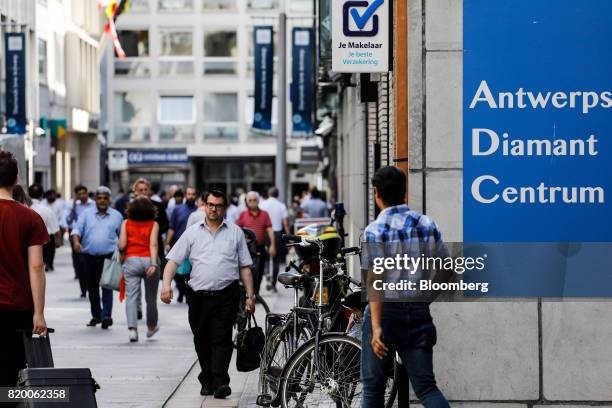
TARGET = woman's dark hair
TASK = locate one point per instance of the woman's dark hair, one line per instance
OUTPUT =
(21, 196)
(141, 209)
(214, 193)
(390, 182)
(8, 169)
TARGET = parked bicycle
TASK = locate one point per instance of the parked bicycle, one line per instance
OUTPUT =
(304, 363)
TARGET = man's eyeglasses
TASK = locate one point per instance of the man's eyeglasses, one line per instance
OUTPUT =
(217, 207)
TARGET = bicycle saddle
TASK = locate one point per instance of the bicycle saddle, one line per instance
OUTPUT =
(291, 278)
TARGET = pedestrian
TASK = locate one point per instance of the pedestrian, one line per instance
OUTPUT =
(36, 193)
(198, 215)
(259, 221)
(121, 201)
(232, 212)
(142, 188)
(178, 224)
(315, 207)
(217, 251)
(22, 277)
(95, 237)
(80, 203)
(395, 326)
(179, 196)
(277, 211)
(138, 245)
(21, 196)
(57, 205)
(155, 187)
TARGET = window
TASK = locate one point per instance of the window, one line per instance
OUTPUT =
(42, 60)
(214, 5)
(132, 116)
(262, 4)
(220, 43)
(135, 43)
(176, 110)
(176, 50)
(139, 6)
(58, 57)
(176, 43)
(221, 116)
(175, 5)
(304, 6)
(221, 107)
(220, 52)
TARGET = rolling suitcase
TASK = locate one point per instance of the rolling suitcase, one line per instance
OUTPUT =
(77, 383)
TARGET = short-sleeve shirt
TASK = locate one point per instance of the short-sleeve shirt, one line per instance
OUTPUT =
(277, 212)
(215, 257)
(258, 223)
(20, 228)
(47, 215)
(99, 232)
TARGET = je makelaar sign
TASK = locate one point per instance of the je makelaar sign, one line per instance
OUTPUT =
(360, 35)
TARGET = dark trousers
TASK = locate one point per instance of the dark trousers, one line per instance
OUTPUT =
(260, 266)
(408, 329)
(211, 317)
(93, 266)
(181, 284)
(77, 264)
(49, 252)
(278, 258)
(12, 354)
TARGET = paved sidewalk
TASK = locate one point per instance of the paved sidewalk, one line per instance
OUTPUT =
(244, 385)
(139, 374)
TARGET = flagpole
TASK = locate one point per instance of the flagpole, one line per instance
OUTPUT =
(281, 135)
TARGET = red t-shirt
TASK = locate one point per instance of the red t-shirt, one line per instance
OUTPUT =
(20, 228)
(258, 223)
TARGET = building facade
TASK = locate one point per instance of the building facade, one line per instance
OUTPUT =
(68, 39)
(489, 354)
(186, 87)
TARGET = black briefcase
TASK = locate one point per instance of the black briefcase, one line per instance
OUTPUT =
(40, 378)
(249, 344)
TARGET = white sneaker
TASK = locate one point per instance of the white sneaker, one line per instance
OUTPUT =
(151, 332)
(133, 335)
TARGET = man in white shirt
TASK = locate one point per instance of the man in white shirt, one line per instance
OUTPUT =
(280, 224)
(36, 192)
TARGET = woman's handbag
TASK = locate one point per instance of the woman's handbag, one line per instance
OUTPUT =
(111, 273)
(184, 268)
(249, 345)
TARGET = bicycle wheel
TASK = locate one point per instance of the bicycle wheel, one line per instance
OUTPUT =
(332, 382)
(261, 301)
(278, 349)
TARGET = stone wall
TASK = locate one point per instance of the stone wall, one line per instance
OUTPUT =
(490, 354)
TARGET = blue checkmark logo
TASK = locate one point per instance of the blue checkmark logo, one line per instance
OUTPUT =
(350, 11)
(361, 20)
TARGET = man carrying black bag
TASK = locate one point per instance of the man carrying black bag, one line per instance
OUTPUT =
(22, 275)
(217, 251)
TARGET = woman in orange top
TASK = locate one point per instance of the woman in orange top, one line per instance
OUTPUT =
(138, 244)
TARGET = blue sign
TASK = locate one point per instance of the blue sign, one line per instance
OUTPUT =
(264, 74)
(178, 156)
(537, 94)
(537, 145)
(14, 44)
(302, 80)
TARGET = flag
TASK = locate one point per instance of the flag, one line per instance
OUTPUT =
(112, 10)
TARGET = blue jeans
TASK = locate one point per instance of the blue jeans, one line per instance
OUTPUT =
(408, 329)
